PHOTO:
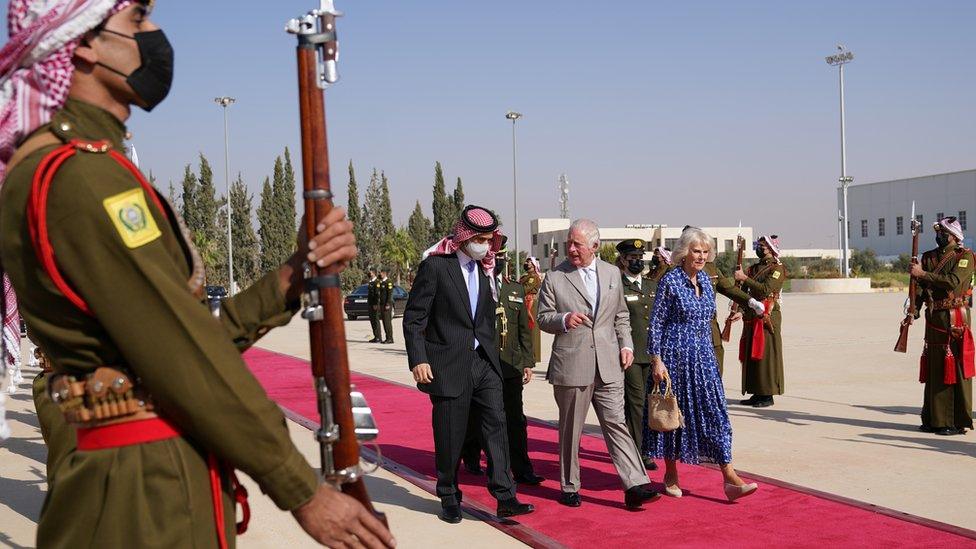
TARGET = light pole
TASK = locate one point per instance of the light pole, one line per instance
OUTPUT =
(225, 102)
(513, 116)
(841, 58)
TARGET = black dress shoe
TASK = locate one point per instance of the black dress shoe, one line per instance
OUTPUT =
(635, 496)
(650, 464)
(388, 342)
(374, 340)
(570, 499)
(949, 431)
(926, 429)
(513, 507)
(450, 514)
(531, 479)
(763, 402)
(748, 401)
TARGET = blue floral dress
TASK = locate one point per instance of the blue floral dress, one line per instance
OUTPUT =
(680, 332)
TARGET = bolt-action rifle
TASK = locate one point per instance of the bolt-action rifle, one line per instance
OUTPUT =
(734, 307)
(901, 346)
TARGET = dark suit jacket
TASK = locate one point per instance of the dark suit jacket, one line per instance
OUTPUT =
(438, 328)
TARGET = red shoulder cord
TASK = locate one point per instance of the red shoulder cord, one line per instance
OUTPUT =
(40, 237)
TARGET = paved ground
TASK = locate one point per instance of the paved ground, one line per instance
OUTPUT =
(847, 426)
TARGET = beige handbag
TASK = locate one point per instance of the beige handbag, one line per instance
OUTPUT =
(663, 414)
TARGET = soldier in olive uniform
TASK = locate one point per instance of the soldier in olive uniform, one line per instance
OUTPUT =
(153, 388)
(761, 346)
(517, 361)
(639, 296)
(385, 286)
(373, 302)
(946, 280)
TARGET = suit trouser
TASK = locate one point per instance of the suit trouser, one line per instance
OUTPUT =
(387, 315)
(374, 322)
(483, 395)
(635, 392)
(608, 402)
(518, 437)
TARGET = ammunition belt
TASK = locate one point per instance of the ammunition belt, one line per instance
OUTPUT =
(948, 303)
(106, 396)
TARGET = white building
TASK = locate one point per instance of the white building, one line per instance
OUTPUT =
(879, 212)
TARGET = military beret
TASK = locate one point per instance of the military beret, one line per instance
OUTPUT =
(631, 245)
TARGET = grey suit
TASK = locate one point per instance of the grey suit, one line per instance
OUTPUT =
(585, 368)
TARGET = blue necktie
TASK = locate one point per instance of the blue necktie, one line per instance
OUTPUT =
(472, 288)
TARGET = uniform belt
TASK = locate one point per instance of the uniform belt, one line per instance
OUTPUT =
(126, 433)
(106, 396)
(947, 303)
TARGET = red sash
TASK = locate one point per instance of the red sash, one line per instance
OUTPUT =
(156, 429)
(968, 353)
(757, 326)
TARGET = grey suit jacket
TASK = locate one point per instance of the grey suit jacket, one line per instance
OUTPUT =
(578, 353)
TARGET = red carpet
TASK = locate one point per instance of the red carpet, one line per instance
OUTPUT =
(776, 515)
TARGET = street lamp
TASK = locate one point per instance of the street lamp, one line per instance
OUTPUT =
(225, 102)
(513, 116)
(841, 58)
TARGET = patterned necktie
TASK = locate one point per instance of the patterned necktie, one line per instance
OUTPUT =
(472, 288)
(589, 277)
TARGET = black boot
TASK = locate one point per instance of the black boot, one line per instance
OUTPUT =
(749, 401)
(763, 401)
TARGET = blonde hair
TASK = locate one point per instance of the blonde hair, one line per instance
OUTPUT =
(689, 238)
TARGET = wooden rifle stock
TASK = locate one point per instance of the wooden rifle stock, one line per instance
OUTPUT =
(734, 308)
(323, 299)
(901, 346)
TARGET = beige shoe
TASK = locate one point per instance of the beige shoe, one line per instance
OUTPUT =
(734, 492)
(672, 490)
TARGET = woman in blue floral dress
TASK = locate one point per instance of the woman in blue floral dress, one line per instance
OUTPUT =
(680, 345)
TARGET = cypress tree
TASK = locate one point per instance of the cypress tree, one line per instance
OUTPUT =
(289, 216)
(355, 214)
(458, 199)
(189, 200)
(279, 217)
(420, 228)
(242, 233)
(266, 229)
(386, 216)
(210, 223)
(441, 206)
(374, 221)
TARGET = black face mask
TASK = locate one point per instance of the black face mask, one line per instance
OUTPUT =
(760, 251)
(152, 80)
(635, 266)
(499, 267)
(941, 239)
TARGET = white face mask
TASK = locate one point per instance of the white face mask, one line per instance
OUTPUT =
(477, 251)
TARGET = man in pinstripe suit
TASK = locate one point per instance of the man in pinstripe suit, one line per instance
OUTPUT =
(449, 329)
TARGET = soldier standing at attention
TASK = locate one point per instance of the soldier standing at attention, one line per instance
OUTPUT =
(946, 280)
(151, 385)
(660, 263)
(517, 361)
(639, 297)
(761, 346)
(386, 304)
(373, 302)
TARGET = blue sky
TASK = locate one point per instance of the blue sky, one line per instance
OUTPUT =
(697, 113)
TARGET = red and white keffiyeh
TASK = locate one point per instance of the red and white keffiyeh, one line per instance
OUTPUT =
(466, 228)
(772, 241)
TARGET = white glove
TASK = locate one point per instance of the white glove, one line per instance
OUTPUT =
(756, 306)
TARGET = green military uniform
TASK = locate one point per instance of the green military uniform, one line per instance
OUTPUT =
(131, 266)
(373, 303)
(946, 289)
(765, 376)
(515, 354)
(386, 307)
(726, 286)
(531, 282)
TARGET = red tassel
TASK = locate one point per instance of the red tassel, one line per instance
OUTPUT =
(240, 496)
(949, 378)
(968, 348)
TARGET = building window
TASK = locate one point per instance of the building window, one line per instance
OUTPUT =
(535, 239)
(670, 243)
(962, 219)
(715, 245)
(939, 216)
(899, 225)
(545, 250)
(565, 249)
(921, 223)
(864, 228)
(730, 245)
(881, 227)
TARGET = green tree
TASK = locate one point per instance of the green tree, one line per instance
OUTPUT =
(207, 234)
(725, 262)
(286, 200)
(278, 225)
(608, 252)
(420, 228)
(386, 220)
(189, 200)
(458, 200)
(441, 206)
(377, 218)
(355, 213)
(865, 262)
(246, 261)
(266, 228)
(399, 254)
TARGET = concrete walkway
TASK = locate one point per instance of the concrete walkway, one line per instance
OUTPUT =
(847, 425)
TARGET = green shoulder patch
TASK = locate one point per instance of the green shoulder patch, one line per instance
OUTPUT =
(130, 215)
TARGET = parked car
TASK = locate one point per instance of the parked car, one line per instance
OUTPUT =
(355, 304)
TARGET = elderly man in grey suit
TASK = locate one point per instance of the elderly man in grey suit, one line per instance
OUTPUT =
(582, 302)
